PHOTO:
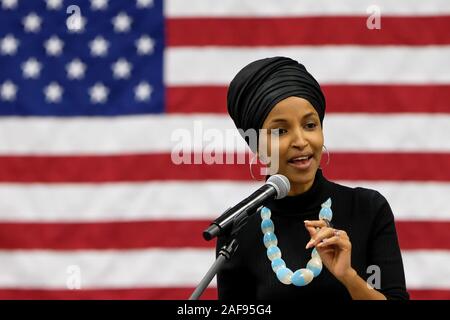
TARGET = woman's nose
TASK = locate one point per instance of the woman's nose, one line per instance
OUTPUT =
(298, 139)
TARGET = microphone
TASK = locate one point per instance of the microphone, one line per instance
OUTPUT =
(277, 186)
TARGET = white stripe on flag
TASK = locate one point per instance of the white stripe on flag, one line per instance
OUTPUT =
(286, 8)
(195, 200)
(156, 133)
(427, 269)
(104, 269)
(369, 132)
(328, 64)
(164, 268)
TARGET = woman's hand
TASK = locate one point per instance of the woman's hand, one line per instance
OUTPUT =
(333, 246)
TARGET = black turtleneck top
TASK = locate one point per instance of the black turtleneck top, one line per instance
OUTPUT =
(363, 213)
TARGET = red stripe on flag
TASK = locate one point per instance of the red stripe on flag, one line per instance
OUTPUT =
(148, 167)
(170, 234)
(155, 294)
(388, 166)
(209, 99)
(65, 169)
(340, 98)
(106, 294)
(285, 31)
(429, 294)
(416, 235)
(104, 235)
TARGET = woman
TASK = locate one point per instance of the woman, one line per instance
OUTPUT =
(356, 253)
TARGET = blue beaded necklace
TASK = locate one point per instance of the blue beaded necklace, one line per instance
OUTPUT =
(303, 276)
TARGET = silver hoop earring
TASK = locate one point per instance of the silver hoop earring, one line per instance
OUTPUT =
(251, 171)
(251, 162)
(328, 153)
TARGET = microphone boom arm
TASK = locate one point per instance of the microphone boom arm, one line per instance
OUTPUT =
(231, 219)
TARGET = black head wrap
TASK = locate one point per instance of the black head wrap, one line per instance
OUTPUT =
(260, 85)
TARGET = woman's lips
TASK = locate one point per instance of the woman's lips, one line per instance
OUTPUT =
(302, 164)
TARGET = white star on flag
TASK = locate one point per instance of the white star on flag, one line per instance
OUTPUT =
(8, 91)
(121, 69)
(99, 4)
(122, 22)
(143, 91)
(9, 4)
(99, 47)
(76, 24)
(32, 23)
(145, 45)
(54, 46)
(53, 92)
(31, 68)
(8, 45)
(144, 3)
(99, 93)
(54, 4)
(75, 69)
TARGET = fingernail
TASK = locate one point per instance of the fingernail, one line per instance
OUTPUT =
(309, 244)
(306, 221)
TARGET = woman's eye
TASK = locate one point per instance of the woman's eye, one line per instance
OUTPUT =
(277, 132)
(311, 125)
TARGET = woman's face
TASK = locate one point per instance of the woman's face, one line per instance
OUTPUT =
(299, 134)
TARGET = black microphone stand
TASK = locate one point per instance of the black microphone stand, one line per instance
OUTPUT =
(225, 253)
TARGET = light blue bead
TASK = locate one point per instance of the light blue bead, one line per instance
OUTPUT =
(326, 213)
(277, 264)
(327, 203)
(273, 252)
(265, 213)
(298, 279)
(267, 226)
(284, 275)
(314, 253)
(302, 277)
(315, 265)
(270, 239)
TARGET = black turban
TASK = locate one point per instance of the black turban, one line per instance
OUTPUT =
(260, 85)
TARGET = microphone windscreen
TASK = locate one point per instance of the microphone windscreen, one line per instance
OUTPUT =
(281, 184)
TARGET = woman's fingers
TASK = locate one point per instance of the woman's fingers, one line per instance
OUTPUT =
(323, 235)
(343, 243)
(319, 236)
(329, 241)
(314, 226)
(312, 231)
(316, 223)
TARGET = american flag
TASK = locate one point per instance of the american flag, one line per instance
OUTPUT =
(92, 92)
